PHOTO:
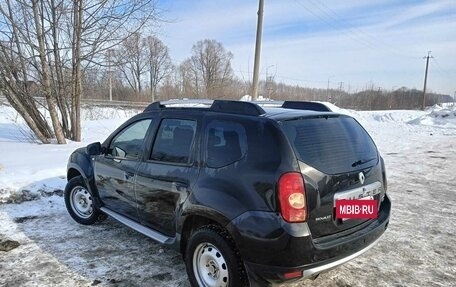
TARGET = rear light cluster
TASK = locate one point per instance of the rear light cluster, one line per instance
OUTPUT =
(292, 197)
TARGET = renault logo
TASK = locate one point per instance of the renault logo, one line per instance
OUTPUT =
(361, 177)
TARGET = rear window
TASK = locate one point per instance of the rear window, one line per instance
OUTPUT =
(334, 144)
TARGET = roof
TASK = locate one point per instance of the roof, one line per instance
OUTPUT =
(271, 109)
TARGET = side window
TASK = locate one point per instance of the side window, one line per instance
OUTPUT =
(174, 141)
(226, 143)
(128, 142)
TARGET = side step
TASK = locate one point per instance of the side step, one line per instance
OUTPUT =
(155, 235)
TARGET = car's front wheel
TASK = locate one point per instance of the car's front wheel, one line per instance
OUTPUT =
(211, 259)
(80, 202)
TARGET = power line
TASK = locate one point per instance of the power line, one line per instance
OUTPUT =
(440, 70)
(339, 20)
(332, 25)
(357, 30)
(283, 77)
(301, 80)
(353, 32)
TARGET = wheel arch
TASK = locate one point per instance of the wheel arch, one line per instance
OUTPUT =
(226, 241)
(74, 170)
(195, 221)
(81, 163)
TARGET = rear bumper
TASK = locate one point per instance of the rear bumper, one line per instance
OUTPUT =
(311, 272)
(269, 258)
(275, 274)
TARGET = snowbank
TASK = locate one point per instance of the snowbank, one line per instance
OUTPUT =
(438, 116)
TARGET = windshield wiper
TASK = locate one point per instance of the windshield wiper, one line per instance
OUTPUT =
(362, 161)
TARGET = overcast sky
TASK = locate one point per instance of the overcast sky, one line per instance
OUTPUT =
(306, 42)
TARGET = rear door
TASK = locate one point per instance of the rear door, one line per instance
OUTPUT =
(338, 160)
(164, 179)
(115, 170)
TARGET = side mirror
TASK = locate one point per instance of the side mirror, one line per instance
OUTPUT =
(93, 148)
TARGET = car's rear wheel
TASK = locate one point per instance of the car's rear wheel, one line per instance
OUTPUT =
(80, 202)
(212, 260)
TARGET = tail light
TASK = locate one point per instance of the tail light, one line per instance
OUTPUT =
(292, 197)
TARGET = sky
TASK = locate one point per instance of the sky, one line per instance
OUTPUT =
(353, 45)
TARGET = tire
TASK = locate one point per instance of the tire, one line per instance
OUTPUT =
(80, 202)
(212, 260)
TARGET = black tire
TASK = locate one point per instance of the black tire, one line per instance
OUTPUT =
(212, 259)
(80, 202)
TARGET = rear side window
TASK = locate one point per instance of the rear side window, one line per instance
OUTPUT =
(331, 144)
(174, 141)
(226, 143)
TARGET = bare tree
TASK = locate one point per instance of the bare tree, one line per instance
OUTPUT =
(160, 64)
(212, 64)
(104, 25)
(17, 67)
(58, 58)
(131, 59)
(38, 15)
(50, 43)
(188, 80)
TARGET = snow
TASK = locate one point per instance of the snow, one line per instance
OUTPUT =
(418, 249)
(29, 170)
(443, 116)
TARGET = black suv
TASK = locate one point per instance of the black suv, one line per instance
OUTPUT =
(245, 191)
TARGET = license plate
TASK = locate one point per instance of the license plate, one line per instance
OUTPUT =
(356, 209)
(361, 193)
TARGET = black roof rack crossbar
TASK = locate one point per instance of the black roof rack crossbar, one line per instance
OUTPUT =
(153, 106)
(179, 104)
(237, 107)
(232, 107)
(311, 106)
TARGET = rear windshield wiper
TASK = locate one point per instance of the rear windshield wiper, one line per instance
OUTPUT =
(362, 161)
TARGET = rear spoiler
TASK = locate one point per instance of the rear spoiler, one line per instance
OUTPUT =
(295, 105)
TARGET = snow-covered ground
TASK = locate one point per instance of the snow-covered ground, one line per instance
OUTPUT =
(40, 245)
(29, 170)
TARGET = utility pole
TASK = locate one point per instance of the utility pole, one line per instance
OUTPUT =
(269, 82)
(328, 97)
(327, 92)
(110, 75)
(256, 65)
(340, 92)
(425, 78)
